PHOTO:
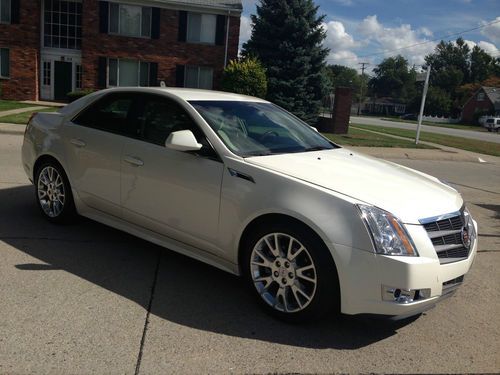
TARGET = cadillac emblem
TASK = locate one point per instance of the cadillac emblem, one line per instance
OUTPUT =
(466, 238)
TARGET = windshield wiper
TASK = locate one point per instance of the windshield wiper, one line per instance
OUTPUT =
(316, 148)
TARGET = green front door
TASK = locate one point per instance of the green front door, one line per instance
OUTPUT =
(62, 80)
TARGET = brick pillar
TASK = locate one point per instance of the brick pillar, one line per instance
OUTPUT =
(342, 110)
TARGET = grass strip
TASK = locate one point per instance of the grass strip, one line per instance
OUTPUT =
(482, 147)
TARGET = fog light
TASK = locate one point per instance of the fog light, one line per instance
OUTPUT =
(401, 295)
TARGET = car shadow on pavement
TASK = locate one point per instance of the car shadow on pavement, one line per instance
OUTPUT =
(186, 292)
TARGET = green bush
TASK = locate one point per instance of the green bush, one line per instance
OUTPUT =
(246, 77)
(75, 95)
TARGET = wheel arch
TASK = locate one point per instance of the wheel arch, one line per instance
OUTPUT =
(47, 158)
(273, 217)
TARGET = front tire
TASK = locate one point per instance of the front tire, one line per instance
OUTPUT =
(53, 193)
(291, 272)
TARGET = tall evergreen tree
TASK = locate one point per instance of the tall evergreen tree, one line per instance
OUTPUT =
(287, 37)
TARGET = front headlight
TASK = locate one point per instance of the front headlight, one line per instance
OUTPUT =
(388, 233)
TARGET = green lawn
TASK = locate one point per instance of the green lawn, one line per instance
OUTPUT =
(7, 105)
(357, 137)
(22, 118)
(452, 126)
(473, 145)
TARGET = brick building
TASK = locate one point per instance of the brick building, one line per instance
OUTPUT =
(51, 47)
(485, 101)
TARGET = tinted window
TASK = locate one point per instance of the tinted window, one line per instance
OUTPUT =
(161, 117)
(114, 113)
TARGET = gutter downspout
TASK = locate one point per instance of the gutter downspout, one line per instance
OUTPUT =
(227, 37)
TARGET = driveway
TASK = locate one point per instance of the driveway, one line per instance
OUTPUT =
(480, 136)
(86, 298)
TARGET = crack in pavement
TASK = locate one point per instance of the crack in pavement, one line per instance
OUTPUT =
(146, 321)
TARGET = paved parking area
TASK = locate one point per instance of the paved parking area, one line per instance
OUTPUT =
(86, 298)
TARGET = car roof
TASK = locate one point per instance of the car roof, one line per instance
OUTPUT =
(191, 94)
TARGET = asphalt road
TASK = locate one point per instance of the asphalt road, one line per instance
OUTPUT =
(86, 298)
(481, 136)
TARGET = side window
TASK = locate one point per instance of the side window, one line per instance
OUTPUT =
(162, 117)
(114, 113)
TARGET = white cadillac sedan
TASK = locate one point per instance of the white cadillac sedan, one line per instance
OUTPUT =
(243, 185)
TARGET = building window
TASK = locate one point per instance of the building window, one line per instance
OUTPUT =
(78, 76)
(62, 24)
(127, 73)
(5, 11)
(198, 77)
(129, 20)
(201, 28)
(46, 73)
(480, 96)
(4, 63)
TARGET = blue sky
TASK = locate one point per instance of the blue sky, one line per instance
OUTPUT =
(357, 28)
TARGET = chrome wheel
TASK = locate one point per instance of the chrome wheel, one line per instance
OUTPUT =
(283, 272)
(50, 191)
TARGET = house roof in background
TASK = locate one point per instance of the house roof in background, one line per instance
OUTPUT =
(236, 5)
(493, 93)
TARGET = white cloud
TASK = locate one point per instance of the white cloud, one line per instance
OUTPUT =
(341, 44)
(488, 47)
(492, 32)
(394, 40)
(425, 31)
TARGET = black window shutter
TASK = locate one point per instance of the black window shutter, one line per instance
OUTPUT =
(179, 75)
(15, 7)
(183, 18)
(103, 16)
(101, 72)
(155, 23)
(220, 35)
(153, 74)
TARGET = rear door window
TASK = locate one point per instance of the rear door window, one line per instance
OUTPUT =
(114, 113)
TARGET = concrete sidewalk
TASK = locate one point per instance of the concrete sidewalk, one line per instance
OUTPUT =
(20, 110)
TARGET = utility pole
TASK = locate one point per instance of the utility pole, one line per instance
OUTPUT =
(361, 88)
(422, 104)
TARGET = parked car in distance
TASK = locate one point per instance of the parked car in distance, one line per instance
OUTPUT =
(243, 185)
(492, 124)
(409, 116)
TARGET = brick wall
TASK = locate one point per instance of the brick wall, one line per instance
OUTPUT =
(166, 51)
(23, 42)
(473, 106)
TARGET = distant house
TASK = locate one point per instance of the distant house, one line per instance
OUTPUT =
(485, 101)
(51, 47)
(384, 105)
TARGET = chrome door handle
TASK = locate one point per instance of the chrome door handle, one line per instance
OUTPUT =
(78, 142)
(133, 160)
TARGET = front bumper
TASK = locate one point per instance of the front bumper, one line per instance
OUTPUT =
(363, 275)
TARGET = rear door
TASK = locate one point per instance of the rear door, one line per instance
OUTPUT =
(95, 139)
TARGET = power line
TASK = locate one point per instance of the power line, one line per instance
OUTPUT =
(427, 41)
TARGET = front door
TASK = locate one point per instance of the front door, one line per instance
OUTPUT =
(62, 79)
(174, 193)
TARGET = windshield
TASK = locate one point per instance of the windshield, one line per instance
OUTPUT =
(250, 129)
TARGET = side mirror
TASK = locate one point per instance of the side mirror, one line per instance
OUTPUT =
(182, 140)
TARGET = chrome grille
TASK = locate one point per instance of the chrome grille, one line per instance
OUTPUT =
(445, 233)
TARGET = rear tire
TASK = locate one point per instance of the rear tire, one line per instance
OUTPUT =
(290, 271)
(53, 193)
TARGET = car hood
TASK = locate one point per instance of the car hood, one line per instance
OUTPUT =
(406, 193)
